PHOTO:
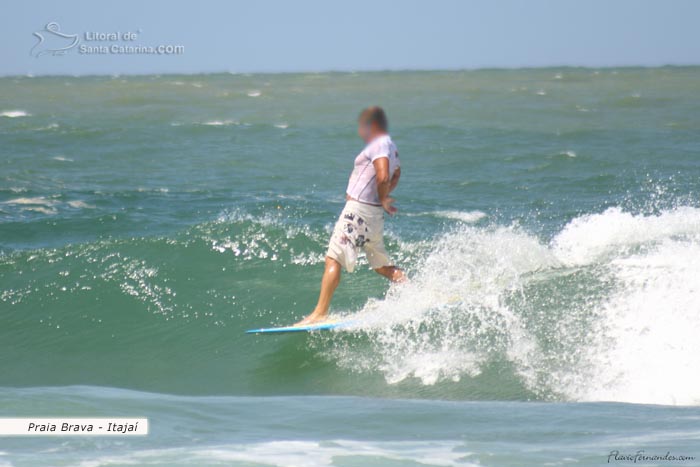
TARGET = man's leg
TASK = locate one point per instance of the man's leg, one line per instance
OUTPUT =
(392, 273)
(377, 256)
(329, 282)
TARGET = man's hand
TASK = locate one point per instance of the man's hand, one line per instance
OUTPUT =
(381, 167)
(388, 205)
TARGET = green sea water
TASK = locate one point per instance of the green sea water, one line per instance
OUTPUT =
(549, 221)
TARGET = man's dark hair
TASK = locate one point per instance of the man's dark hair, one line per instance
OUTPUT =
(374, 116)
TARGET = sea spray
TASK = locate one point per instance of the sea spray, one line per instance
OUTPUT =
(618, 325)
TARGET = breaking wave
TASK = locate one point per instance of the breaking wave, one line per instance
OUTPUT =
(609, 309)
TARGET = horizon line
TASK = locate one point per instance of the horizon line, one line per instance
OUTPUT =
(350, 71)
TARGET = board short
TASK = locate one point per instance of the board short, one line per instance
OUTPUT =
(359, 227)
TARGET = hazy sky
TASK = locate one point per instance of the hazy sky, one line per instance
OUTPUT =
(266, 35)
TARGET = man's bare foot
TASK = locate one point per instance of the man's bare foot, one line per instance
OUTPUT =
(392, 273)
(313, 318)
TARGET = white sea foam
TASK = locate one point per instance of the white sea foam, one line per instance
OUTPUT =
(647, 348)
(135, 277)
(38, 200)
(445, 322)
(78, 204)
(255, 240)
(40, 209)
(468, 217)
(14, 113)
(588, 238)
(608, 310)
(62, 159)
(298, 454)
(153, 190)
(45, 205)
(465, 216)
(254, 93)
(642, 346)
(220, 122)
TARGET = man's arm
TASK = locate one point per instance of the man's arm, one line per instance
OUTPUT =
(381, 167)
(395, 179)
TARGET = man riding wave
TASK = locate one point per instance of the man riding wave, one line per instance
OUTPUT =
(375, 175)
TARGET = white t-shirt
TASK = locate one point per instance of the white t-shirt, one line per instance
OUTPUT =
(363, 180)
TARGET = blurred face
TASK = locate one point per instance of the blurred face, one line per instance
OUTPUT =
(365, 130)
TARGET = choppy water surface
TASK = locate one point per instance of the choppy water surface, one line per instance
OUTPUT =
(549, 220)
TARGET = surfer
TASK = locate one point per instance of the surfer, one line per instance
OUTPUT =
(361, 224)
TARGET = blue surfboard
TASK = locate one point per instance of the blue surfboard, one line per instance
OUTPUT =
(324, 326)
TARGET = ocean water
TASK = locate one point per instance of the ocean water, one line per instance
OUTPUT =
(549, 221)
